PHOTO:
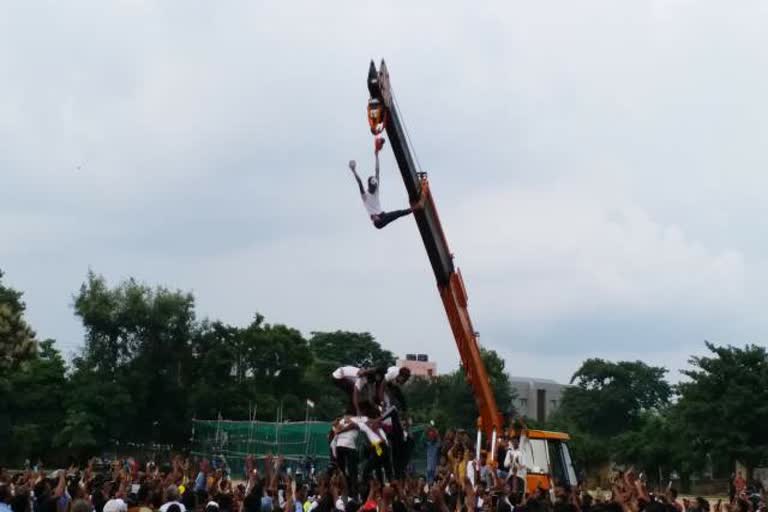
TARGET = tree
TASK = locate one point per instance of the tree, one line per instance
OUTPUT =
(137, 346)
(609, 399)
(32, 382)
(343, 348)
(17, 339)
(725, 404)
(77, 433)
(34, 393)
(218, 373)
(103, 403)
(330, 350)
(656, 444)
(448, 399)
(236, 369)
(277, 356)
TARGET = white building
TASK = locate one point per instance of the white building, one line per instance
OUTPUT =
(536, 398)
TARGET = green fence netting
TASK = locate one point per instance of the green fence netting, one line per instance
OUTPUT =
(302, 444)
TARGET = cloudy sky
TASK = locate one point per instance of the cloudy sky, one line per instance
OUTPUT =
(600, 167)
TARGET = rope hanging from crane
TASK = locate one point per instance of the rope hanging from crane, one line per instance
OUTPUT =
(400, 116)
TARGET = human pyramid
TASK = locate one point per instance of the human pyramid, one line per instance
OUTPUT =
(376, 408)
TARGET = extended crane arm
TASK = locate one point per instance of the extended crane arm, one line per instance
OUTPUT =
(449, 281)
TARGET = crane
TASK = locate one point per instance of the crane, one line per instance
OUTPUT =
(449, 281)
(549, 451)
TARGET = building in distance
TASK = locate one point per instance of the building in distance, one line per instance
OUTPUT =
(419, 364)
(536, 398)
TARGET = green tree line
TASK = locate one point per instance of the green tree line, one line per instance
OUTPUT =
(148, 366)
(627, 413)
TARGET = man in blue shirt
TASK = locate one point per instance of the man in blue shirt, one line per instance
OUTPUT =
(201, 482)
(433, 453)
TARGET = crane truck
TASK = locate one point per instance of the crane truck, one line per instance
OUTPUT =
(548, 457)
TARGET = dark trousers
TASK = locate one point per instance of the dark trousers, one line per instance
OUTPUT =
(384, 218)
(400, 448)
(346, 460)
(518, 486)
(377, 465)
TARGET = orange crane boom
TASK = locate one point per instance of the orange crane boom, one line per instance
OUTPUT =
(449, 281)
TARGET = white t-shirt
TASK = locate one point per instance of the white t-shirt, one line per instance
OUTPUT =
(350, 373)
(346, 372)
(471, 471)
(371, 202)
(347, 439)
(393, 372)
(516, 458)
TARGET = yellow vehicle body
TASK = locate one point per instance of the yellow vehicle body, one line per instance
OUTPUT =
(551, 461)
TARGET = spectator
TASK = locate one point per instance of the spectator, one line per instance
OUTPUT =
(22, 500)
(115, 505)
(201, 481)
(433, 453)
(5, 498)
(672, 499)
(81, 506)
(451, 468)
(172, 498)
(739, 484)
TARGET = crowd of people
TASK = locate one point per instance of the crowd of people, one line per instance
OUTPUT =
(182, 486)
(369, 451)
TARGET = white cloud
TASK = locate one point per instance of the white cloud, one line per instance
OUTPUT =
(541, 252)
(598, 166)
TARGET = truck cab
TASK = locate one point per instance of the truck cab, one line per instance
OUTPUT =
(549, 460)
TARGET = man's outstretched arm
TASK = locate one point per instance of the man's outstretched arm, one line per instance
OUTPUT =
(377, 167)
(352, 165)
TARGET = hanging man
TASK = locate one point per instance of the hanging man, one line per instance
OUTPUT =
(370, 195)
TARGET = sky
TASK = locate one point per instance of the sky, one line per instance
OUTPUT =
(599, 168)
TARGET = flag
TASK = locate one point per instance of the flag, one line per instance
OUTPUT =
(310, 403)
